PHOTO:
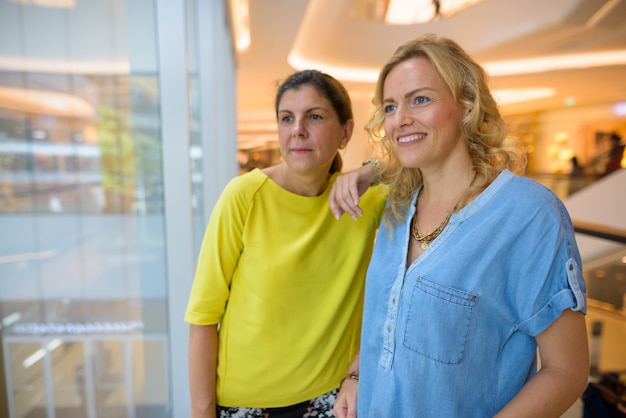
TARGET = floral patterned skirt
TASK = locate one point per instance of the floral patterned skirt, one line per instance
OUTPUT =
(320, 407)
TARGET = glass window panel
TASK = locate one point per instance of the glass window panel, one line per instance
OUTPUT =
(150, 383)
(81, 206)
(82, 248)
(109, 379)
(606, 316)
(16, 163)
(27, 374)
(68, 371)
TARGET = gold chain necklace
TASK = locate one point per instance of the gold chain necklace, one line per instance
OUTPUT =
(415, 231)
(425, 240)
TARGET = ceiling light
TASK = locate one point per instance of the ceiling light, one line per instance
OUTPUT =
(51, 66)
(45, 102)
(509, 96)
(406, 12)
(10, 319)
(620, 109)
(240, 12)
(362, 75)
(356, 74)
(556, 62)
(494, 69)
(48, 3)
(41, 353)
(601, 13)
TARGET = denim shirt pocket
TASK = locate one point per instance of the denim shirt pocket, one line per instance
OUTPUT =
(438, 321)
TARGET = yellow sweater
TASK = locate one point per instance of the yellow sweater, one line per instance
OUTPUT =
(284, 279)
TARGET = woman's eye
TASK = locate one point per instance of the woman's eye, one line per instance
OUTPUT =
(420, 99)
(286, 119)
(316, 117)
(389, 108)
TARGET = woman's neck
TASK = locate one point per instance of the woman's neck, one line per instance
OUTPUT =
(305, 184)
(442, 188)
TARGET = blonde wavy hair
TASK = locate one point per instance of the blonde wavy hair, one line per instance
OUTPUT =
(484, 129)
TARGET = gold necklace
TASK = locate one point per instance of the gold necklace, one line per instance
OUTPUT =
(425, 240)
(415, 231)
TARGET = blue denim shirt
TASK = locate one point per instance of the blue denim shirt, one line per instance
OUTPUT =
(453, 335)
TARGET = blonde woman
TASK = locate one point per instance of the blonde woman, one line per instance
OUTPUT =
(475, 267)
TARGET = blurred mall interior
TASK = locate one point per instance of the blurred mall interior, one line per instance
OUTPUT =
(122, 120)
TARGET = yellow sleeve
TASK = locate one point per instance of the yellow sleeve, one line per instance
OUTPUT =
(221, 247)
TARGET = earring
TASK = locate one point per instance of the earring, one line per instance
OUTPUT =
(342, 146)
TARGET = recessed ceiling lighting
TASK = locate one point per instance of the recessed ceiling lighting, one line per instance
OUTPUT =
(357, 74)
(620, 109)
(240, 12)
(45, 102)
(61, 4)
(556, 62)
(410, 12)
(108, 67)
(494, 69)
(508, 96)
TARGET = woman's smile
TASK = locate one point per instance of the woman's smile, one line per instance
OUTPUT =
(411, 138)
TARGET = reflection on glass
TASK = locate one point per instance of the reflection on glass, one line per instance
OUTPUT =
(150, 382)
(107, 162)
(109, 379)
(68, 374)
(82, 275)
(27, 375)
(606, 318)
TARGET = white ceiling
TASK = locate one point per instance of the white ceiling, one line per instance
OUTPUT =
(330, 36)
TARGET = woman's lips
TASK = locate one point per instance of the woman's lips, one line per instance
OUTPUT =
(411, 138)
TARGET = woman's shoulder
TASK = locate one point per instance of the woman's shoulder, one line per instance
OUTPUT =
(376, 195)
(244, 186)
(249, 180)
(523, 194)
(530, 189)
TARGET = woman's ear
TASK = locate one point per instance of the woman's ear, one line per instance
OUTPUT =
(347, 133)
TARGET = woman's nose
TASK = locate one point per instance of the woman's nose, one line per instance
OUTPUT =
(299, 127)
(403, 116)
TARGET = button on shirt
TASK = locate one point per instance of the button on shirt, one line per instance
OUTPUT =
(453, 335)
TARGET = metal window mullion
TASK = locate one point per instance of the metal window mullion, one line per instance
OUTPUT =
(175, 131)
(8, 374)
(48, 379)
(90, 397)
(218, 100)
(129, 367)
